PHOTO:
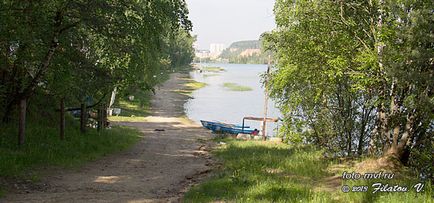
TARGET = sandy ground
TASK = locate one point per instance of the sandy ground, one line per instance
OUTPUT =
(159, 168)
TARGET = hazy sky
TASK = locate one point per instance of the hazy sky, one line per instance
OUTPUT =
(226, 21)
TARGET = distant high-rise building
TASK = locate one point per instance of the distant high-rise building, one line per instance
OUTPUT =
(201, 54)
(216, 49)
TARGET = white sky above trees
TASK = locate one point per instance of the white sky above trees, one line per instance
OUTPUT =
(227, 21)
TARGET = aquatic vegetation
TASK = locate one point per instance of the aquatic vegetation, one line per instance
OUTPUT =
(236, 87)
(210, 75)
(214, 69)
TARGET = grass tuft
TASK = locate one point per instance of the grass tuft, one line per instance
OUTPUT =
(236, 87)
(190, 87)
(194, 85)
(213, 69)
(257, 171)
(210, 75)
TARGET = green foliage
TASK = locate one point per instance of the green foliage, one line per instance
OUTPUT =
(80, 51)
(312, 81)
(84, 49)
(181, 48)
(352, 72)
(235, 53)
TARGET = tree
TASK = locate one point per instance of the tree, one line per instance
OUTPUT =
(350, 72)
(81, 49)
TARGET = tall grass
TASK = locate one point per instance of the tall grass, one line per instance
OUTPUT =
(44, 148)
(256, 171)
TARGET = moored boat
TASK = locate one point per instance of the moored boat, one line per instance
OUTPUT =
(219, 127)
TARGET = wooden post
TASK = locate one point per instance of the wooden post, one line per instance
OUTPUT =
(22, 121)
(264, 122)
(83, 118)
(62, 119)
(100, 117)
(242, 128)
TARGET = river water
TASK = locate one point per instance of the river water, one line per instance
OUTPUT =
(214, 102)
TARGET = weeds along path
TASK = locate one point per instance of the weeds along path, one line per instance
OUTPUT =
(170, 157)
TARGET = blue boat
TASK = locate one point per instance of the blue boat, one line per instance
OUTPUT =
(219, 127)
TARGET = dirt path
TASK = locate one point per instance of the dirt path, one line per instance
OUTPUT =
(158, 169)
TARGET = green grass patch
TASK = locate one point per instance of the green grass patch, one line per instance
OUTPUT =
(194, 85)
(127, 118)
(257, 171)
(210, 75)
(213, 69)
(236, 87)
(189, 87)
(139, 107)
(44, 148)
(135, 110)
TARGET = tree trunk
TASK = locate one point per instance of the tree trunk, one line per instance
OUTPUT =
(349, 144)
(402, 149)
(365, 120)
(372, 149)
(381, 128)
(22, 121)
(62, 119)
(100, 117)
(104, 117)
(360, 143)
(83, 118)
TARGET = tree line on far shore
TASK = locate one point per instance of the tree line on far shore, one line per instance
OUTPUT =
(357, 77)
(77, 52)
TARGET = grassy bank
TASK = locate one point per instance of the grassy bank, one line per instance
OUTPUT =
(256, 171)
(43, 148)
(236, 87)
(135, 110)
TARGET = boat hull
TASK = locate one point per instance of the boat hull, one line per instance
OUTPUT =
(225, 128)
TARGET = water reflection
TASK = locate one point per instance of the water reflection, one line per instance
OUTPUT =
(217, 103)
